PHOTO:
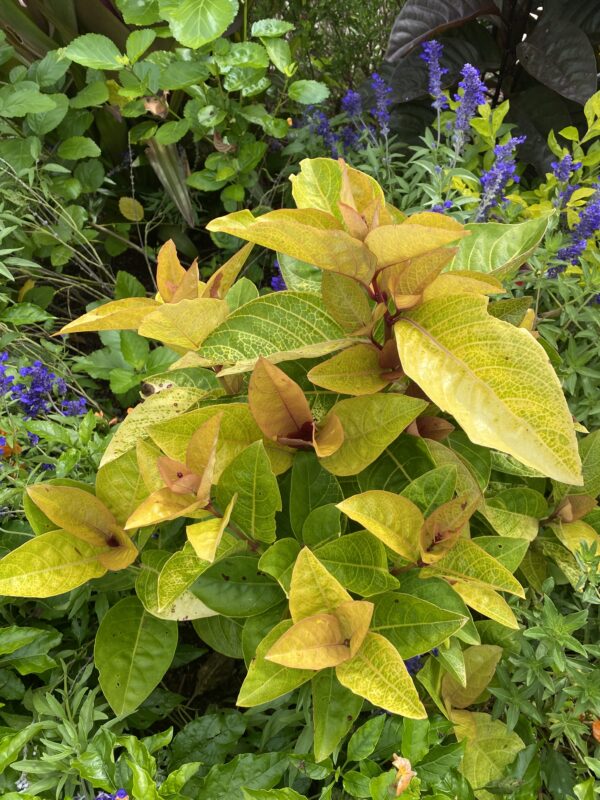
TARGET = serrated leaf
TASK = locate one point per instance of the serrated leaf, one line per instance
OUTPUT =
(370, 424)
(308, 92)
(520, 408)
(393, 519)
(412, 625)
(499, 248)
(279, 326)
(94, 51)
(265, 680)
(468, 562)
(133, 650)
(250, 478)
(378, 673)
(194, 23)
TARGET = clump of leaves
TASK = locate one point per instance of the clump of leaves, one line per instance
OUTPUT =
(337, 521)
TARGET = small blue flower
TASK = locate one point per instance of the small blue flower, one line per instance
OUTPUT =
(33, 439)
(432, 53)
(2, 441)
(414, 664)
(74, 408)
(563, 169)
(47, 467)
(554, 272)
(439, 208)
(352, 104)
(318, 123)
(277, 281)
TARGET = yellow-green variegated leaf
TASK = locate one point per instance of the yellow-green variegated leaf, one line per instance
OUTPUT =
(267, 680)
(574, 534)
(346, 301)
(468, 562)
(490, 748)
(120, 315)
(589, 450)
(313, 588)
(184, 566)
(319, 185)
(76, 511)
(205, 536)
(315, 642)
(462, 283)
(498, 248)
(392, 244)
(378, 673)
(237, 431)
(308, 234)
(279, 326)
(480, 665)
(50, 564)
(120, 484)
(495, 379)
(487, 602)
(221, 281)
(185, 606)
(370, 424)
(185, 324)
(354, 371)
(394, 520)
(161, 406)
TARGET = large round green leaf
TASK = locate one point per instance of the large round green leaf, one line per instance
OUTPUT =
(195, 22)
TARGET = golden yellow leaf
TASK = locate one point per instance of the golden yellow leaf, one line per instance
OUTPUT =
(131, 209)
(308, 234)
(161, 506)
(189, 288)
(395, 520)
(184, 324)
(313, 589)
(315, 642)
(205, 536)
(391, 244)
(449, 283)
(221, 281)
(495, 379)
(346, 301)
(120, 315)
(169, 272)
(378, 673)
(328, 437)
(480, 666)
(410, 278)
(354, 371)
(487, 602)
(444, 525)
(574, 534)
(355, 618)
(76, 511)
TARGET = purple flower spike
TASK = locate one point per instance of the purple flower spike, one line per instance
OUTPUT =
(383, 101)
(352, 104)
(431, 55)
(586, 229)
(494, 181)
(473, 95)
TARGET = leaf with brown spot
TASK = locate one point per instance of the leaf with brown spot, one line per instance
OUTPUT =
(444, 525)
(169, 272)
